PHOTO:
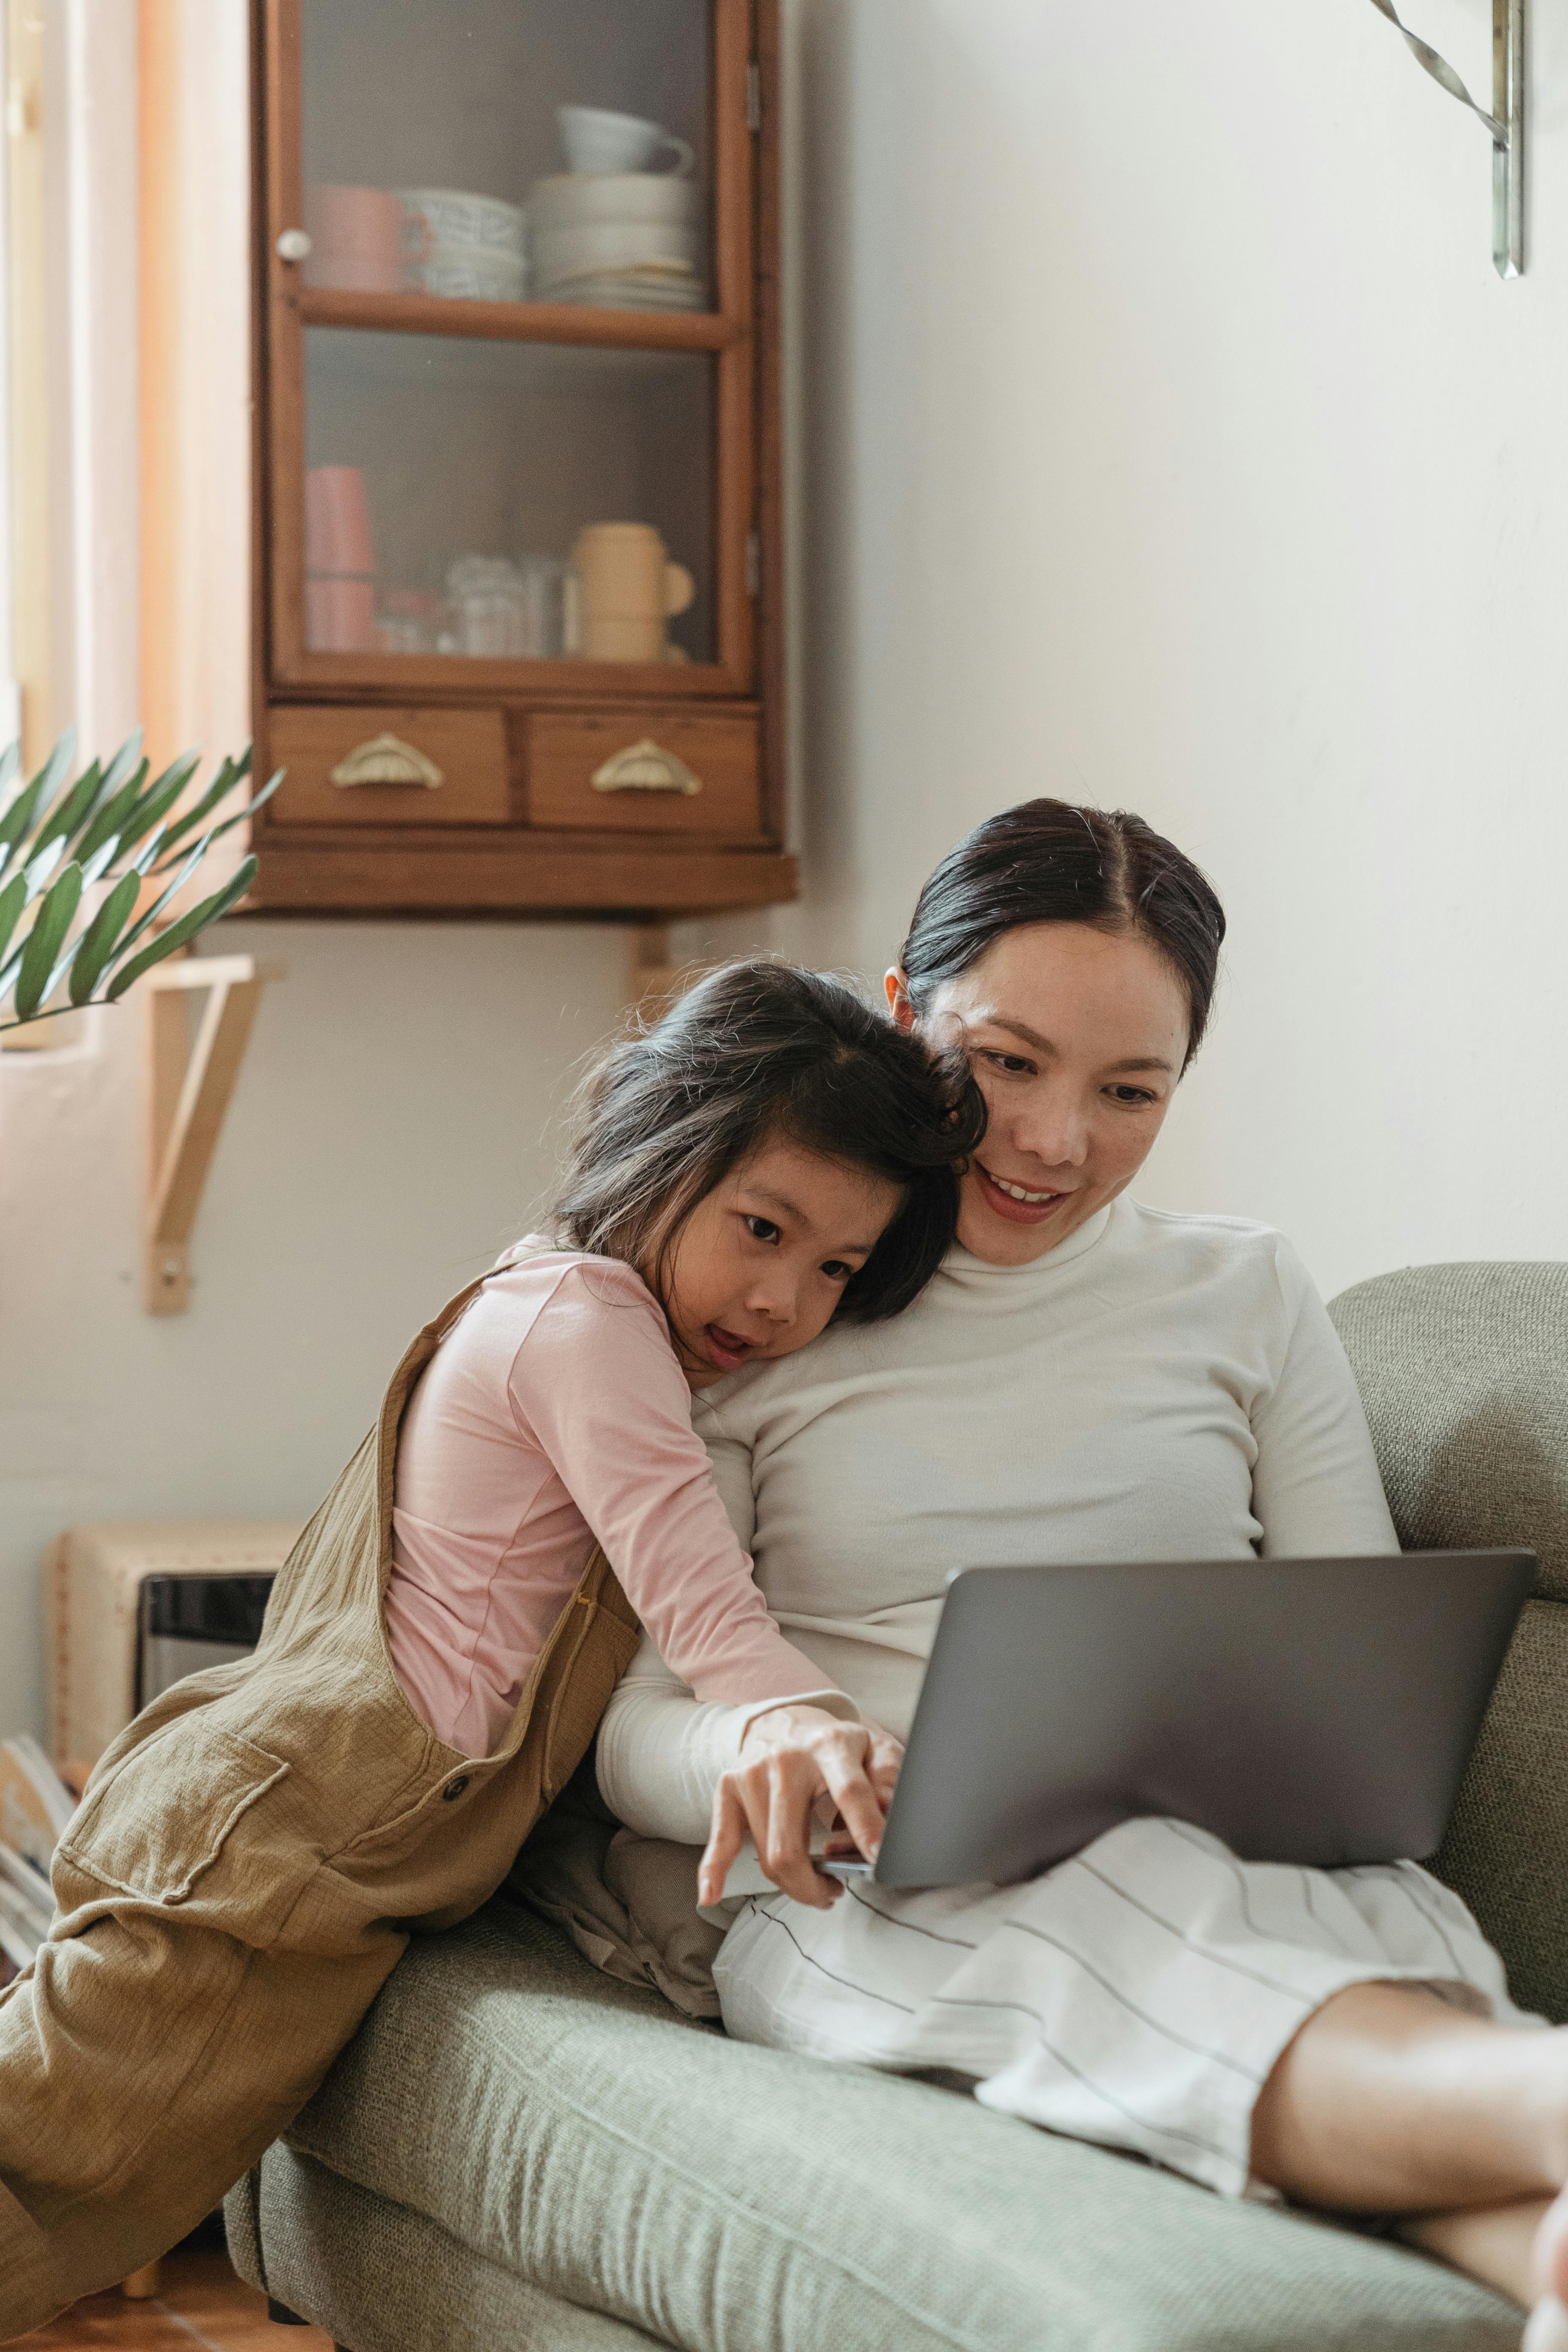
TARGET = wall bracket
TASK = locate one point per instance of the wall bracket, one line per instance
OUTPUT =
(1505, 122)
(189, 1086)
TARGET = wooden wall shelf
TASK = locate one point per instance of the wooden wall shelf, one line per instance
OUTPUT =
(188, 1090)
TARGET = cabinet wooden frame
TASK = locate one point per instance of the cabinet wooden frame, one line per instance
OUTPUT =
(328, 871)
(727, 332)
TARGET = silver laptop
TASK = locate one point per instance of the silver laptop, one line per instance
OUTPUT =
(1316, 1711)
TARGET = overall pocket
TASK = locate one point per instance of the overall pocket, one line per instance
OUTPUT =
(184, 1817)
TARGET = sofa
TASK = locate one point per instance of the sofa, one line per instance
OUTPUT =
(517, 2151)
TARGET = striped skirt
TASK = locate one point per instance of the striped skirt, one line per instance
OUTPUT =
(1136, 1995)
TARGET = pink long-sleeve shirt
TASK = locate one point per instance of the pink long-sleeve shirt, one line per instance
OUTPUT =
(553, 1417)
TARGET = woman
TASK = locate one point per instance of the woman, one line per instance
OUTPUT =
(1087, 1380)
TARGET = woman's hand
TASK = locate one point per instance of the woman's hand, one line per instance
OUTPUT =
(792, 1760)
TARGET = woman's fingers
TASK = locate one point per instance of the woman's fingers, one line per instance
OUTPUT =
(884, 1762)
(771, 1800)
(793, 1782)
(791, 1757)
(726, 1835)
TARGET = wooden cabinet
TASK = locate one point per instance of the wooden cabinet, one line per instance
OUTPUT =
(518, 593)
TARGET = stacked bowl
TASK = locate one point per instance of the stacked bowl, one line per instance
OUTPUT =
(459, 243)
(630, 240)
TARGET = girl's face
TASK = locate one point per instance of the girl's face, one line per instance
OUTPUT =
(1076, 1038)
(760, 1264)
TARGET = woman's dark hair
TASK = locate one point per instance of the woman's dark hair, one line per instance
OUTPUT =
(758, 1052)
(1048, 862)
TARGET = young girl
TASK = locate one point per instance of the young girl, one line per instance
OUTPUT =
(252, 1852)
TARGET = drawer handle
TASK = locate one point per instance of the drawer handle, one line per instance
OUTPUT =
(385, 759)
(645, 767)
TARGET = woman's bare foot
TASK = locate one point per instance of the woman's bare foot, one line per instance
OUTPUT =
(1548, 2328)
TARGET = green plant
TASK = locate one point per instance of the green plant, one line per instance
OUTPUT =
(59, 841)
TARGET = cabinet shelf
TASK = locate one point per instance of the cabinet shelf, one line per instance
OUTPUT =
(520, 322)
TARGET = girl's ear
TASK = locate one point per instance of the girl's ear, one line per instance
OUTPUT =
(898, 996)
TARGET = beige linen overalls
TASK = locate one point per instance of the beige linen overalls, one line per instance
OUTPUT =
(241, 1877)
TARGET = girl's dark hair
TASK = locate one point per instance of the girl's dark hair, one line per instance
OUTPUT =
(756, 1051)
(1048, 862)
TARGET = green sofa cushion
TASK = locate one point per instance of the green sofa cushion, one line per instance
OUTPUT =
(1462, 1370)
(512, 2114)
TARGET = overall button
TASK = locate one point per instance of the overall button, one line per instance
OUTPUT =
(454, 1788)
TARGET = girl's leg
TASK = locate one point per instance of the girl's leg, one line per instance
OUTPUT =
(144, 2065)
(1388, 2100)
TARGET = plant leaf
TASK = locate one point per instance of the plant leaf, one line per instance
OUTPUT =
(151, 851)
(99, 940)
(41, 791)
(107, 823)
(38, 870)
(158, 798)
(185, 929)
(93, 867)
(9, 757)
(231, 772)
(268, 789)
(34, 880)
(84, 808)
(12, 898)
(50, 924)
(73, 809)
(17, 818)
(188, 819)
(125, 760)
(146, 921)
(62, 965)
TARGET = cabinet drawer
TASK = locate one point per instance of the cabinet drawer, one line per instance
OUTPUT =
(376, 766)
(657, 770)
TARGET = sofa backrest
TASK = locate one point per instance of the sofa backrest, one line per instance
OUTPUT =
(1462, 1370)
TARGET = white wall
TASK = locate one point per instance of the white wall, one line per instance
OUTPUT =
(1160, 436)
(1166, 440)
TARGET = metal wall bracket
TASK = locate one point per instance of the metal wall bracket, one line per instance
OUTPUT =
(1505, 122)
(1508, 152)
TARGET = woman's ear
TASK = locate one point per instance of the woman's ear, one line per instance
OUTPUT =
(898, 996)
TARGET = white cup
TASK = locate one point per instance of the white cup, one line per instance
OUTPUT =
(595, 140)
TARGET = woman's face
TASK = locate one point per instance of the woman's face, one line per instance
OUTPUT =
(1076, 1038)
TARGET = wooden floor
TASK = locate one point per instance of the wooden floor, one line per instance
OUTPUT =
(200, 2307)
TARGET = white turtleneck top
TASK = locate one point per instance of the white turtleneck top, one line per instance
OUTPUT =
(1157, 1387)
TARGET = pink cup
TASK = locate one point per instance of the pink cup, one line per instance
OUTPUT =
(356, 239)
(340, 617)
(337, 520)
(356, 223)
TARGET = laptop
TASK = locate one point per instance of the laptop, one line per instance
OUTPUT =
(1317, 1711)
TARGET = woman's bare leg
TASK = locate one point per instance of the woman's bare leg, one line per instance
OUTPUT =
(1548, 2329)
(1390, 2101)
(1492, 2242)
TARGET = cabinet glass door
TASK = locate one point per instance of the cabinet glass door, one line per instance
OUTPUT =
(509, 346)
(494, 150)
(497, 500)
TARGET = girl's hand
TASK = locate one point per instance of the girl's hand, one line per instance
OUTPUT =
(792, 1758)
